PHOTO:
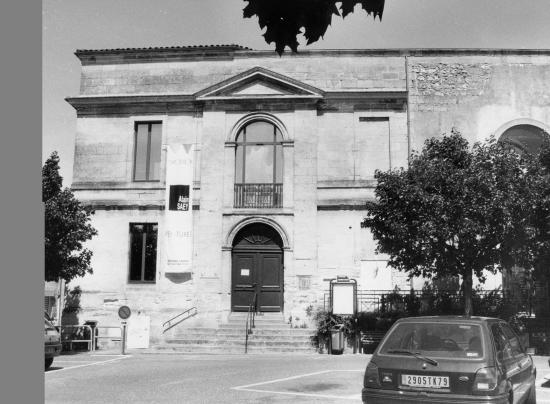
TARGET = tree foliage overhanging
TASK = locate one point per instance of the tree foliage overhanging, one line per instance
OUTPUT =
(67, 227)
(458, 210)
(284, 19)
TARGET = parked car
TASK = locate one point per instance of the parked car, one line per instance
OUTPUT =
(450, 359)
(52, 341)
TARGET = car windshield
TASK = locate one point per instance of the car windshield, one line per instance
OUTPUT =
(441, 340)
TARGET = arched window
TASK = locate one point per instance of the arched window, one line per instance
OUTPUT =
(524, 138)
(259, 166)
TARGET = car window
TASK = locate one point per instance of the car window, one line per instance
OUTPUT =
(515, 345)
(502, 344)
(443, 340)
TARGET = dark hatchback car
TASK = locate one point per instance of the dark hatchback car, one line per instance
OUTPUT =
(450, 359)
(52, 341)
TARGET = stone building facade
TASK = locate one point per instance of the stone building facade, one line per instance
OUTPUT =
(219, 171)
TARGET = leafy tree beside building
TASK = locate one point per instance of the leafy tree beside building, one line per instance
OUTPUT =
(67, 227)
(457, 210)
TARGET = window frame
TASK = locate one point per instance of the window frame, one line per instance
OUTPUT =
(148, 154)
(143, 244)
(244, 143)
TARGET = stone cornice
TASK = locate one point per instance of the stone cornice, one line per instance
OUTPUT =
(228, 52)
(110, 185)
(181, 103)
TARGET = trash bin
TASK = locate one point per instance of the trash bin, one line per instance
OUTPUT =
(368, 344)
(337, 339)
(93, 327)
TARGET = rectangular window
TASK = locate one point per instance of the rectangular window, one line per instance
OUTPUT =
(147, 151)
(143, 252)
(372, 147)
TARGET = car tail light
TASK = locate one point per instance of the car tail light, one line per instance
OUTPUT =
(486, 379)
(371, 376)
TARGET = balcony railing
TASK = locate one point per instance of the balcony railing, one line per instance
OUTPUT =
(258, 195)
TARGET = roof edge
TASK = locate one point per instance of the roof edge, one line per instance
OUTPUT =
(125, 55)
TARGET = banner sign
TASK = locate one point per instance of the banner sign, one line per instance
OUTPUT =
(178, 227)
(179, 197)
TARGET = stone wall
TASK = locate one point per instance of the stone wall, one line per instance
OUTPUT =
(476, 95)
(323, 72)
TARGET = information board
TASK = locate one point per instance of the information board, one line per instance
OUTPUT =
(343, 298)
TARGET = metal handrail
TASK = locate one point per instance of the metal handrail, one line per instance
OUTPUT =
(250, 321)
(188, 312)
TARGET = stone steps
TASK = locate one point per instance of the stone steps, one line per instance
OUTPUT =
(271, 334)
(241, 331)
(239, 337)
(241, 342)
(229, 349)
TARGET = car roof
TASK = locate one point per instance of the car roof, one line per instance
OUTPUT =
(473, 319)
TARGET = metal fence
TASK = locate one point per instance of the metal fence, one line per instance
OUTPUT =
(388, 300)
(76, 334)
(528, 310)
(86, 337)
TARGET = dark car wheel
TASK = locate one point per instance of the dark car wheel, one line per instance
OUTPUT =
(49, 362)
(532, 398)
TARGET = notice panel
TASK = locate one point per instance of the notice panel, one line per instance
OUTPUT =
(343, 298)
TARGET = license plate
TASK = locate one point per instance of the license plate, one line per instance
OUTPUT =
(432, 382)
(50, 349)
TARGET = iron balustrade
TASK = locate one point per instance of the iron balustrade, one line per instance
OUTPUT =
(258, 196)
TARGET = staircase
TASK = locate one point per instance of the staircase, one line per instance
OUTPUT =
(270, 335)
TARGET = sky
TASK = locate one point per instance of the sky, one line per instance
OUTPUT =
(68, 25)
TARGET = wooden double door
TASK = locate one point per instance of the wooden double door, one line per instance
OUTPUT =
(260, 272)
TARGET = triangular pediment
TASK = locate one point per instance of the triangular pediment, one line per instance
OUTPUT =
(259, 83)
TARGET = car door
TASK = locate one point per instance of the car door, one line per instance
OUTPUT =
(510, 358)
(522, 362)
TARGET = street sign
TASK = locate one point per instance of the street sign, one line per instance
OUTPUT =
(124, 312)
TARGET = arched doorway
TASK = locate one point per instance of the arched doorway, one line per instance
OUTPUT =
(257, 268)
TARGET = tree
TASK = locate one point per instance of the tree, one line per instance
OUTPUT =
(284, 19)
(455, 211)
(537, 250)
(67, 227)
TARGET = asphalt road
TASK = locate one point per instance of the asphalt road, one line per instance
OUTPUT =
(184, 378)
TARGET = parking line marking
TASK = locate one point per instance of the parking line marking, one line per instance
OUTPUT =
(281, 380)
(354, 397)
(296, 377)
(86, 364)
(288, 393)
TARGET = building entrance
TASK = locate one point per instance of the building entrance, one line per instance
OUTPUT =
(257, 269)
